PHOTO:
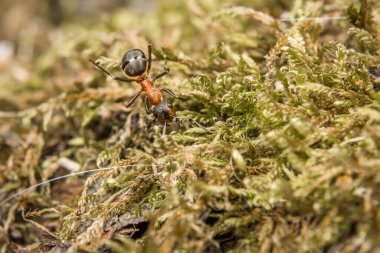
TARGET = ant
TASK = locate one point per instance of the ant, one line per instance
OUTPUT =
(136, 66)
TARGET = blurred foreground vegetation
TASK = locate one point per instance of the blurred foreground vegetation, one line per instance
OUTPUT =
(293, 164)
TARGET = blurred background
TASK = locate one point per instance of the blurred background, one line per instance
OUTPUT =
(44, 44)
(41, 40)
(19, 16)
(29, 28)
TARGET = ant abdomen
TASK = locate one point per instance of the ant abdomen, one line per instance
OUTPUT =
(134, 63)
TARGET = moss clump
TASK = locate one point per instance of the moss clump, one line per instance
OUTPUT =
(292, 164)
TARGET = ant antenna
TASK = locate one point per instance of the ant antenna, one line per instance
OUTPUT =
(118, 78)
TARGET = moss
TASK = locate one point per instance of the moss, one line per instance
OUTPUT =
(292, 163)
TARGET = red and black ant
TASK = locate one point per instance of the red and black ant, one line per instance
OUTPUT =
(137, 67)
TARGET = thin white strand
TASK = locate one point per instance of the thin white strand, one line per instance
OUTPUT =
(66, 176)
(322, 18)
(313, 18)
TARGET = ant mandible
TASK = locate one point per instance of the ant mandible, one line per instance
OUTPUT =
(137, 67)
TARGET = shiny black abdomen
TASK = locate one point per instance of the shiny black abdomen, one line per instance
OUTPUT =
(134, 62)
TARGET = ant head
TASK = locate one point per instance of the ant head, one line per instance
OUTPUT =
(134, 62)
(164, 111)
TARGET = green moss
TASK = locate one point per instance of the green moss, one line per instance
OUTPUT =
(292, 163)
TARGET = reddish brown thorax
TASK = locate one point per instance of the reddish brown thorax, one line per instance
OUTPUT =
(153, 94)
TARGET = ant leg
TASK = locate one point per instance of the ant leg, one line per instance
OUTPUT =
(150, 124)
(164, 128)
(149, 56)
(109, 74)
(171, 93)
(199, 125)
(165, 72)
(134, 98)
(147, 106)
